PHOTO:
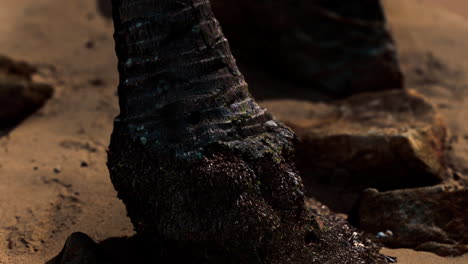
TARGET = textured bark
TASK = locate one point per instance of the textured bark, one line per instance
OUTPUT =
(180, 87)
(194, 158)
(335, 46)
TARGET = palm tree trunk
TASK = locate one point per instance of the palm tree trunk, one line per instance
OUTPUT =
(191, 151)
(180, 89)
(194, 158)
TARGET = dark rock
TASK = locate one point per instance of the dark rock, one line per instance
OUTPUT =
(19, 95)
(431, 218)
(443, 249)
(104, 7)
(341, 47)
(89, 44)
(17, 69)
(387, 140)
(78, 249)
(96, 82)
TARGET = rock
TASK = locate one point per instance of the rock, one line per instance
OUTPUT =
(104, 7)
(19, 95)
(443, 249)
(387, 140)
(430, 218)
(19, 69)
(340, 47)
(81, 249)
(78, 249)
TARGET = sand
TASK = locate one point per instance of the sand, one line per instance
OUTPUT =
(73, 47)
(456, 6)
(424, 28)
(408, 256)
(40, 208)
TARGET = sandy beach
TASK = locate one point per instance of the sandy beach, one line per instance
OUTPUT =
(456, 6)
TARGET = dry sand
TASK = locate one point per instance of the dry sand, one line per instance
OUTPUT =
(73, 46)
(425, 29)
(40, 208)
(408, 256)
(456, 6)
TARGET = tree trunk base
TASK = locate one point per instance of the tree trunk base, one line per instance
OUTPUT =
(229, 206)
(330, 241)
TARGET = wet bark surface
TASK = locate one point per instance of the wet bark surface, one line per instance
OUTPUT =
(193, 157)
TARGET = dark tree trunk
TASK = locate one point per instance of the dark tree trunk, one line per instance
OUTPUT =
(196, 161)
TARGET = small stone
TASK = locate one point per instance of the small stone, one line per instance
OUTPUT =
(84, 164)
(353, 236)
(79, 248)
(271, 123)
(96, 82)
(89, 44)
(57, 170)
(143, 140)
(381, 235)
